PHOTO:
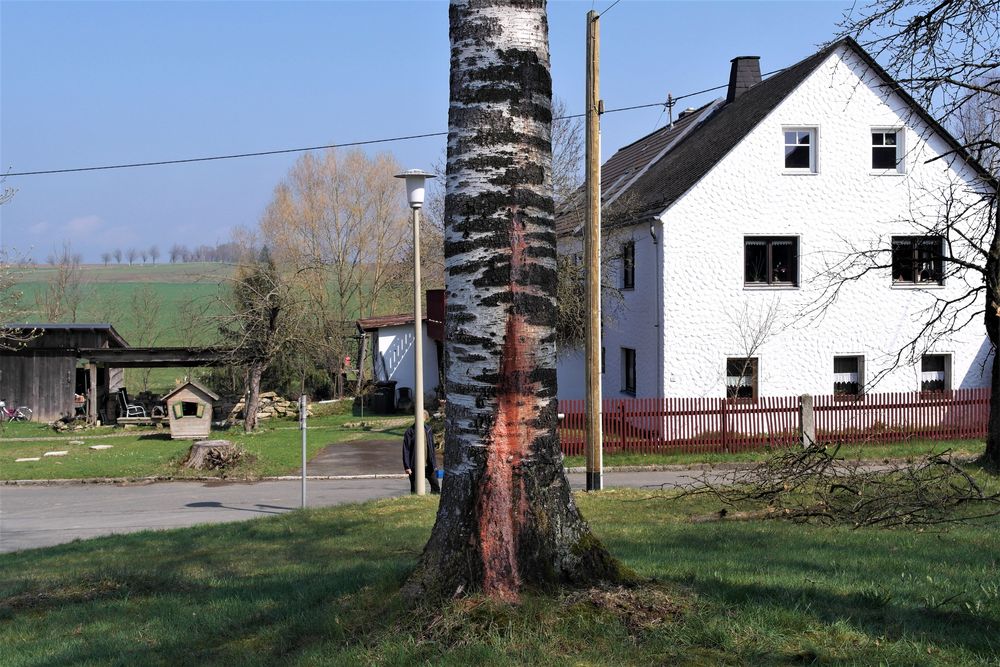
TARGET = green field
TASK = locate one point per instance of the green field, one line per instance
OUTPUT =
(180, 291)
(320, 587)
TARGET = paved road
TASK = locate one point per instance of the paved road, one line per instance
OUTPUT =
(39, 516)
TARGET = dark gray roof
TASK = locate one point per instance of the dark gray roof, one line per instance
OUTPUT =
(73, 326)
(664, 176)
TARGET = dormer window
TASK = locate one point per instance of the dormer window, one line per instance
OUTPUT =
(800, 149)
(886, 150)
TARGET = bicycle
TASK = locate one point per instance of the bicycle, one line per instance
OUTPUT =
(19, 414)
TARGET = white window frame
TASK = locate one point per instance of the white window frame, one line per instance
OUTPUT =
(770, 239)
(628, 264)
(900, 152)
(625, 371)
(944, 375)
(813, 132)
(859, 379)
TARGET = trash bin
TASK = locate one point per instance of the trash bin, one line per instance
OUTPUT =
(384, 397)
(405, 400)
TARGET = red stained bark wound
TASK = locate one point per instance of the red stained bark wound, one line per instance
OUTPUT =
(500, 517)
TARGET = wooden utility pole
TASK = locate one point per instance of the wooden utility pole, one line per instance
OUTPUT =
(592, 250)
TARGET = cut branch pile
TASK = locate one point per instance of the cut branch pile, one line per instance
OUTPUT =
(813, 485)
(215, 455)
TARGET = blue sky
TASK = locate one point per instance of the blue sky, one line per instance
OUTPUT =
(85, 84)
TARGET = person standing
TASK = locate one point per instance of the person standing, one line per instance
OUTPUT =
(430, 467)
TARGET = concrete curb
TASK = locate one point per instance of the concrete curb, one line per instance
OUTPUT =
(136, 481)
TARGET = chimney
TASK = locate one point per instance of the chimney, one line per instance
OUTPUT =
(744, 74)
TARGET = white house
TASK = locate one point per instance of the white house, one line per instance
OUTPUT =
(734, 223)
(392, 350)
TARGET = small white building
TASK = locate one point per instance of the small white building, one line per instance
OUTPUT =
(732, 226)
(390, 345)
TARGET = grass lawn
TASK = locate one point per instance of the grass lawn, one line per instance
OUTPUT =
(320, 587)
(145, 453)
(148, 452)
(895, 450)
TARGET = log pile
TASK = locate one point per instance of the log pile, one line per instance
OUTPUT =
(271, 406)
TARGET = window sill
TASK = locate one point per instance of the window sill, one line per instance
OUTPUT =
(626, 391)
(799, 172)
(886, 172)
(916, 286)
(769, 288)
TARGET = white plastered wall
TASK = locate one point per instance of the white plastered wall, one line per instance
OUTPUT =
(749, 193)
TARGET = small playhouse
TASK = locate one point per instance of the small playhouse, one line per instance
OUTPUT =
(189, 408)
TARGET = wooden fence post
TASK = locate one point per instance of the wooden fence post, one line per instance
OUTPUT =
(807, 420)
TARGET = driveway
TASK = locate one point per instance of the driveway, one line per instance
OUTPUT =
(359, 457)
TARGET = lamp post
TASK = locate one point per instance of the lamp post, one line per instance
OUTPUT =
(415, 179)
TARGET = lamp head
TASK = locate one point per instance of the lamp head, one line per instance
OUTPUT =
(415, 185)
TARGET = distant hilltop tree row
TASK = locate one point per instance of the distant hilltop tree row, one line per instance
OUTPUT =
(222, 252)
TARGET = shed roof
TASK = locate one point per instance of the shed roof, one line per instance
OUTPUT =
(190, 383)
(105, 328)
(382, 321)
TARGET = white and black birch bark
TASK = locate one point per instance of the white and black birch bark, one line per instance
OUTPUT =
(507, 519)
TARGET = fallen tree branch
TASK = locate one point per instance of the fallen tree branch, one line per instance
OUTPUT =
(813, 485)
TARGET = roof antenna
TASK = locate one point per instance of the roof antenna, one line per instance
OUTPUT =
(669, 104)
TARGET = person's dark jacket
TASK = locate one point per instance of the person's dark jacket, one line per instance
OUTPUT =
(409, 439)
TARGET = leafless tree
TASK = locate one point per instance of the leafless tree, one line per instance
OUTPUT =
(340, 224)
(752, 327)
(946, 54)
(262, 317)
(117, 254)
(106, 258)
(176, 253)
(11, 309)
(144, 316)
(154, 253)
(65, 292)
(131, 254)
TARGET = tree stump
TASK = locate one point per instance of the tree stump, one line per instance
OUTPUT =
(206, 454)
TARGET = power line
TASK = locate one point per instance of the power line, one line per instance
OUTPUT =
(229, 157)
(609, 8)
(349, 144)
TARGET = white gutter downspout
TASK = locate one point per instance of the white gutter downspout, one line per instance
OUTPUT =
(659, 305)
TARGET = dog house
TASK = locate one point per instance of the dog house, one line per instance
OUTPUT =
(189, 408)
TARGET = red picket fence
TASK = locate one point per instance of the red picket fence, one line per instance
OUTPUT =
(894, 417)
(650, 425)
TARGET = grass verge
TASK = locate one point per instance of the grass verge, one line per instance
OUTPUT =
(276, 449)
(866, 452)
(320, 587)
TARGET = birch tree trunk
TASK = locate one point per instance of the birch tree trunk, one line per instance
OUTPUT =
(507, 519)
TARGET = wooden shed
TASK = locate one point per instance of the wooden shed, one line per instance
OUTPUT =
(42, 369)
(189, 408)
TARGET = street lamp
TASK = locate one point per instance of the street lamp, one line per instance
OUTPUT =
(415, 179)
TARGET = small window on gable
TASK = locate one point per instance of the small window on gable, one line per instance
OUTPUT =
(800, 149)
(848, 379)
(935, 373)
(628, 265)
(741, 379)
(771, 260)
(628, 370)
(917, 260)
(886, 150)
